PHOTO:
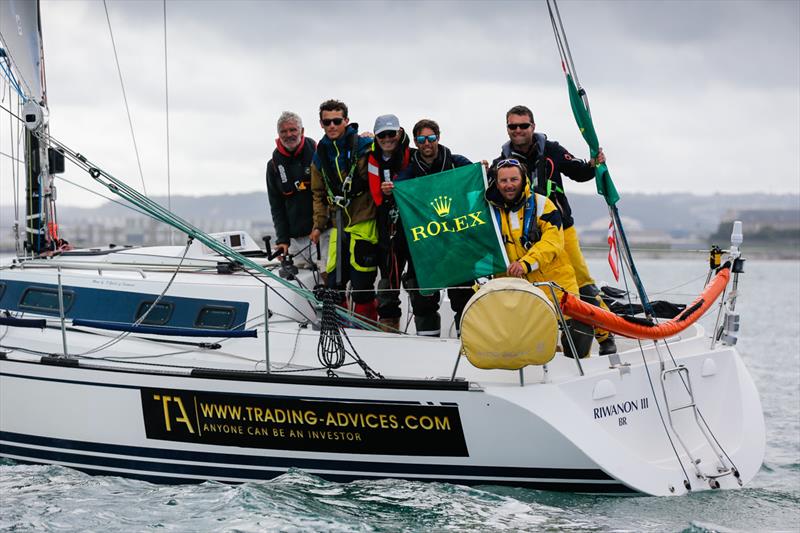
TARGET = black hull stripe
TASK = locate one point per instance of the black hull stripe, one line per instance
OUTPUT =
(149, 471)
(405, 467)
(139, 387)
(260, 377)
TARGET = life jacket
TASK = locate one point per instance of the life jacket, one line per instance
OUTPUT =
(381, 170)
(294, 168)
(530, 228)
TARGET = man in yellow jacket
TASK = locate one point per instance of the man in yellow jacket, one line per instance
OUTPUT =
(534, 238)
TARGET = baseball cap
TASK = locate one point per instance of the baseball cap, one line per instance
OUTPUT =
(386, 123)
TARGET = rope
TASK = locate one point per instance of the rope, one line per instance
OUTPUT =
(125, 97)
(330, 350)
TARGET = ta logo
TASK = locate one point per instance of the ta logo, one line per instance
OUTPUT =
(170, 404)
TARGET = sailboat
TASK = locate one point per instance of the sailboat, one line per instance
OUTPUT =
(180, 364)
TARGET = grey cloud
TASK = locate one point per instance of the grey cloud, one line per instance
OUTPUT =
(702, 82)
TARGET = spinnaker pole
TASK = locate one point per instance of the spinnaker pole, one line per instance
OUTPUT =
(579, 102)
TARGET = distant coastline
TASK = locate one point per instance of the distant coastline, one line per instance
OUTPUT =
(657, 225)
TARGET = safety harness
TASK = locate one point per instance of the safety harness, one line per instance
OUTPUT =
(530, 227)
(292, 168)
(341, 190)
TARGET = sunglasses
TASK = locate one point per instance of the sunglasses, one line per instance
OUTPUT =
(522, 126)
(508, 163)
(388, 134)
(328, 121)
(430, 138)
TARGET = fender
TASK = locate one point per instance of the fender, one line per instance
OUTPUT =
(596, 316)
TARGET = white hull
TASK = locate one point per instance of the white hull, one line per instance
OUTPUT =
(600, 433)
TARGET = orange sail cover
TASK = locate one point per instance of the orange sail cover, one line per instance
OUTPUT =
(597, 316)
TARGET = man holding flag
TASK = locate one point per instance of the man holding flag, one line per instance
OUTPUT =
(546, 161)
(390, 155)
(534, 239)
(429, 158)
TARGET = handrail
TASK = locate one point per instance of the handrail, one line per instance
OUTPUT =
(165, 330)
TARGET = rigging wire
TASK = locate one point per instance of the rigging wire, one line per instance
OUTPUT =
(125, 98)
(622, 269)
(15, 175)
(101, 195)
(158, 212)
(5, 66)
(166, 105)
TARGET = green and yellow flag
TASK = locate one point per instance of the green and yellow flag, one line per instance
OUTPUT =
(602, 180)
(451, 232)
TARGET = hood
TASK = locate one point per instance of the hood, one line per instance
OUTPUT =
(297, 151)
(539, 140)
(343, 143)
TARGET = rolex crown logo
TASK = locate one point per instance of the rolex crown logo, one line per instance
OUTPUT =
(441, 204)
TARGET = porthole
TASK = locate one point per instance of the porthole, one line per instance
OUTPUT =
(159, 316)
(215, 317)
(45, 299)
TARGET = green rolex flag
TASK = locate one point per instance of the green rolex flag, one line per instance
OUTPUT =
(450, 229)
(602, 179)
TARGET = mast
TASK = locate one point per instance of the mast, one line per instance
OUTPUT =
(23, 57)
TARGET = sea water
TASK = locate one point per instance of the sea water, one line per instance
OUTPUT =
(52, 498)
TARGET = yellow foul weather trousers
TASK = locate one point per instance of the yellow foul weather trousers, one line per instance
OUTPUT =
(582, 275)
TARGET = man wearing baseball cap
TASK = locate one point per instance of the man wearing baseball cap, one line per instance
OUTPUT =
(389, 155)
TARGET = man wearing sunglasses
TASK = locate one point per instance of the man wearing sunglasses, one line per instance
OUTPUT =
(391, 155)
(289, 191)
(534, 239)
(430, 157)
(340, 186)
(546, 161)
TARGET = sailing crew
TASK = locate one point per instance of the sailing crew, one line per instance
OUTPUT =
(340, 188)
(533, 236)
(431, 157)
(289, 192)
(390, 155)
(545, 162)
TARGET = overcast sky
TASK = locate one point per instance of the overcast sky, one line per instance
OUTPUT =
(689, 96)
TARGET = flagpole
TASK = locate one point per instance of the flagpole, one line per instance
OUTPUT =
(579, 101)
